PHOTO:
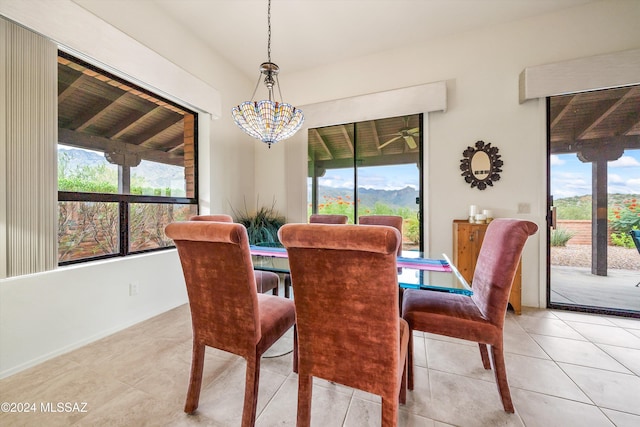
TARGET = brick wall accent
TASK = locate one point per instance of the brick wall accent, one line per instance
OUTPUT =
(582, 230)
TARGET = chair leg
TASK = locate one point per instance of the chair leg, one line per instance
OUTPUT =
(403, 384)
(305, 392)
(484, 354)
(287, 285)
(195, 379)
(251, 391)
(295, 349)
(500, 371)
(389, 412)
(410, 360)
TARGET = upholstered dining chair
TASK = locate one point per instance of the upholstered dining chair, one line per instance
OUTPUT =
(227, 312)
(478, 318)
(265, 280)
(349, 328)
(390, 220)
(328, 219)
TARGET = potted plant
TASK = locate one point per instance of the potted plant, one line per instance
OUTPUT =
(262, 225)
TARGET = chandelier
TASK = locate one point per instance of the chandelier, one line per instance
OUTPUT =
(268, 120)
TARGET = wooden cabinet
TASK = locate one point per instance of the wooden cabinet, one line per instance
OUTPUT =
(467, 239)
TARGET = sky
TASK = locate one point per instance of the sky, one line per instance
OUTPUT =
(570, 177)
(393, 177)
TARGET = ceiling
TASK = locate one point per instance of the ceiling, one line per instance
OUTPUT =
(596, 124)
(311, 33)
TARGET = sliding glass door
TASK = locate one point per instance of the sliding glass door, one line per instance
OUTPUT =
(369, 168)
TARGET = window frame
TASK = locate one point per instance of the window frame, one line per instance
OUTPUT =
(125, 200)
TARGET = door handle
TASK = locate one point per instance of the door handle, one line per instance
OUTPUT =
(553, 217)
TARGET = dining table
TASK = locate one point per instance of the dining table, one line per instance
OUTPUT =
(415, 271)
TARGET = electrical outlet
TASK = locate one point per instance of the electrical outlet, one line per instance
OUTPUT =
(134, 289)
(524, 208)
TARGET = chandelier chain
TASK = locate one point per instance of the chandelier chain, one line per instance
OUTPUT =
(269, 33)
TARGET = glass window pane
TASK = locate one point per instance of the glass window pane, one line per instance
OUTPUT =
(148, 220)
(87, 230)
(87, 171)
(331, 169)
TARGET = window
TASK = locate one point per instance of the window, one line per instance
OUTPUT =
(369, 168)
(126, 165)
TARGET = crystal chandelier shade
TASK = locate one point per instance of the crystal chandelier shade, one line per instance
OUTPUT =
(268, 120)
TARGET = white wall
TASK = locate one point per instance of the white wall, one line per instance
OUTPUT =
(481, 69)
(47, 314)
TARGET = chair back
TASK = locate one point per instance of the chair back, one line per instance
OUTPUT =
(346, 295)
(221, 286)
(635, 236)
(214, 218)
(328, 219)
(390, 220)
(497, 265)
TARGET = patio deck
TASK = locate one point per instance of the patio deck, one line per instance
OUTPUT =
(576, 285)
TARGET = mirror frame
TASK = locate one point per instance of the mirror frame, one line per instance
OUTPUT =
(494, 161)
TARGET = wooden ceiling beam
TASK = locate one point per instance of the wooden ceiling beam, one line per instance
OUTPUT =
(347, 138)
(132, 122)
(98, 143)
(158, 129)
(322, 142)
(100, 114)
(625, 142)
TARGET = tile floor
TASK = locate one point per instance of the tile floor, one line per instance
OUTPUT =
(565, 369)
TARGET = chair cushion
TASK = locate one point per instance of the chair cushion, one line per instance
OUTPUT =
(266, 280)
(453, 315)
(277, 315)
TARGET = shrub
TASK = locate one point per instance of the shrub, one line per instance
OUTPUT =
(623, 239)
(561, 236)
(625, 216)
(263, 225)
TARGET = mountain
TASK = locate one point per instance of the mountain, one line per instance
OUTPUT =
(405, 197)
(155, 175)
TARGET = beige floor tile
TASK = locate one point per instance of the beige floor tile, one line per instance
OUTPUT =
(607, 335)
(583, 318)
(612, 390)
(457, 359)
(419, 351)
(522, 343)
(629, 357)
(222, 400)
(464, 401)
(139, 377)
(622, 419)
(548, 326)
(542, 376)
(542, 410)
(624, 322)
(578, 353)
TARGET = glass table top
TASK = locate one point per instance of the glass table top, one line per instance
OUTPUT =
(414, 271)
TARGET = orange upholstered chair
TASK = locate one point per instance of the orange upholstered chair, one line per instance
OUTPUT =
(478, 318)
(328, 219)
(390, 220)
(349, 326)
(265, 280)
(227, 312)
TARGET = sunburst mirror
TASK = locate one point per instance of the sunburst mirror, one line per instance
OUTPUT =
(481, 165)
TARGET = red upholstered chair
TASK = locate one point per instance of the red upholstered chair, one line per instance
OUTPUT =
(227, 312)
(390, 220)
(265, 280)
(328, 219)
(478, 318)
(349, 329)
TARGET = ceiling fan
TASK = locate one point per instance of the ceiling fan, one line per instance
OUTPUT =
(407, 133)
